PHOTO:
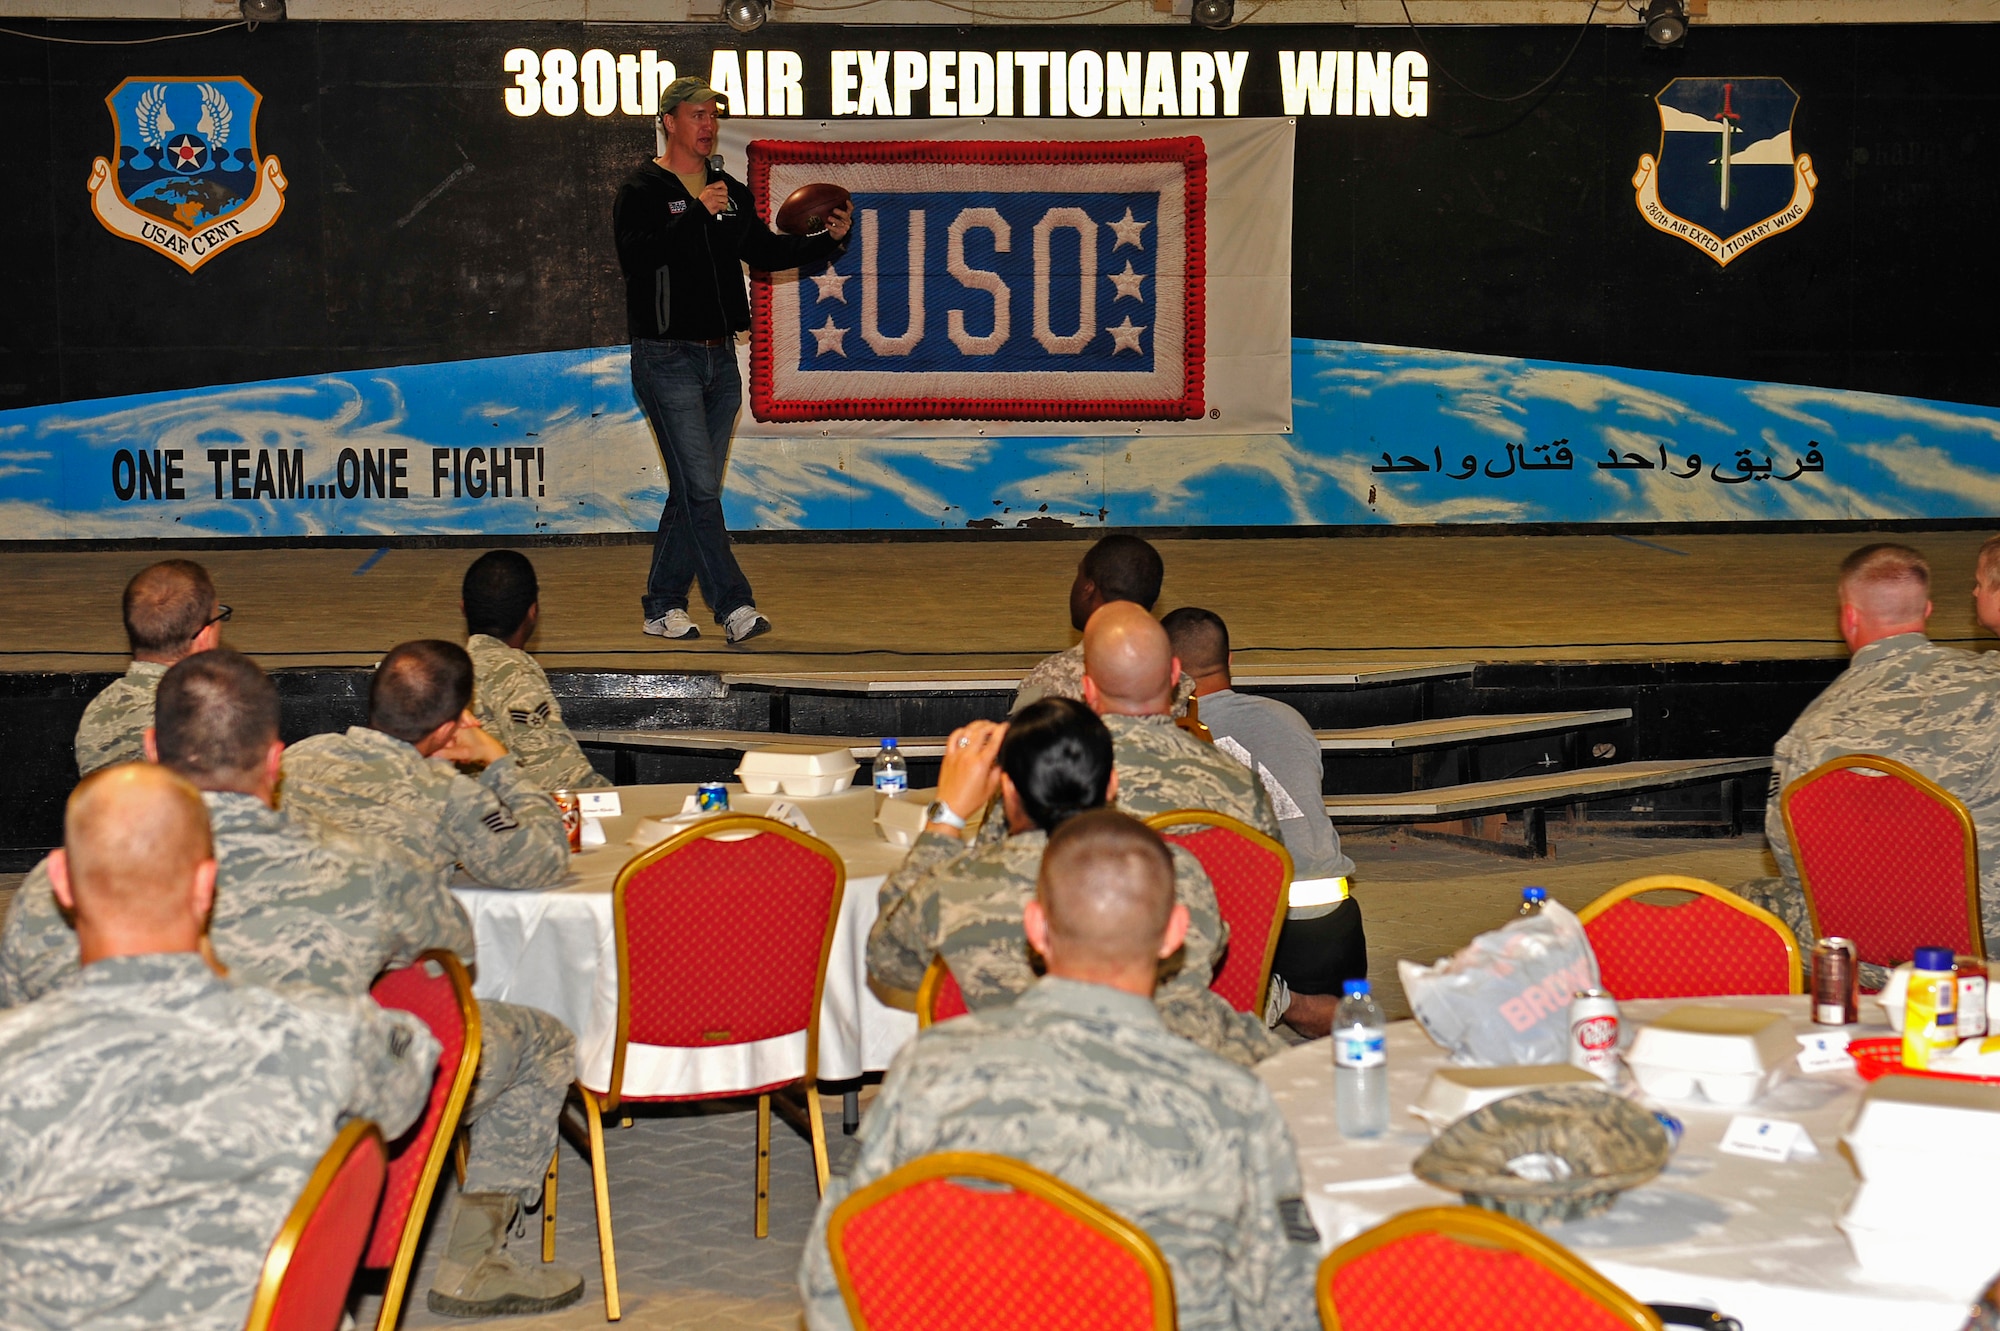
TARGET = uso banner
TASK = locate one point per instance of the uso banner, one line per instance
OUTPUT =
(1026, 276)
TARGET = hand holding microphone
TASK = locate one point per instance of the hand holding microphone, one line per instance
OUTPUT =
(716, 196)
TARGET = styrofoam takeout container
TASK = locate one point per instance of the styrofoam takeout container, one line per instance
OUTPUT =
(1937, 1237)
(800, 770)
(1728, 1056)
(1454, 1092)
(901, 822)
(1929, 1128)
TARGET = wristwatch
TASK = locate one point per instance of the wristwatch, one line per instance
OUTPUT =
(940, 812)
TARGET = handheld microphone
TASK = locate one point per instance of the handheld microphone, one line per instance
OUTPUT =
(715, 169)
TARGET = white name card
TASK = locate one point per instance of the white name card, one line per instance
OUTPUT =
(1825, 1051)
(1773, 1139)
(599, 803)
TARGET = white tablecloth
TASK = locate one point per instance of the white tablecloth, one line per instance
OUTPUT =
(1754, 1239)
(555, 950)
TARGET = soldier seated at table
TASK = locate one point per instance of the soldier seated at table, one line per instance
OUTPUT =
(511, 697)
(1051, 763)
(293, 905)
(1081, 1078)
(1322, 943)
(1936, 709)
(170, 613)
(393, 779)
(1116, 569)
(157, 1122)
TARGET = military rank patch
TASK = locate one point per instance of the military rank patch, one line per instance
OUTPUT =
(499, 821)
(1297, 1220)
(1024, 280)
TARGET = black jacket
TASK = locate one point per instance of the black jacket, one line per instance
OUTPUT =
(683, 273)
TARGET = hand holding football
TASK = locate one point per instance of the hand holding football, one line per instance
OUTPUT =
(806, 210)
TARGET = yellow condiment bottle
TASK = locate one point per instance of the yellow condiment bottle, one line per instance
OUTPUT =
(1930, 1014)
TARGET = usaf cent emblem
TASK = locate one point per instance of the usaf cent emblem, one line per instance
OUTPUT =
(1726, 177)
(188, 183)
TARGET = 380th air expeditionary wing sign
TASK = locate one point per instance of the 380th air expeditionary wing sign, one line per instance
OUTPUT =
(1028, 280)
(1726, 177)
(187, 183)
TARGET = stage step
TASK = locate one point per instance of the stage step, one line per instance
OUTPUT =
(890, 682)
(1449, 730)
(1534, 794)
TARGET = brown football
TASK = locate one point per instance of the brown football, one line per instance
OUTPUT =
(807, 209)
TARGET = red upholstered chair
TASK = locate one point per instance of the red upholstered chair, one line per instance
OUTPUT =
(1253, 879)
(311, 1263)
(960, 1241)
(1717, 943)
(723, 933)
(938, 996)
(1458, 1268)
(1887, 858)
(436, 989)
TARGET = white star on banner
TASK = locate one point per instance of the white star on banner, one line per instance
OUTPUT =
(1129, 231)
(1127, 282)
(1125, 337)
(832, 285)
(830, 338)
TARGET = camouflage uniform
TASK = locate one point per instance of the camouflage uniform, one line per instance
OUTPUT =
(1936, 709)
(505, 833)
(156, 1125)
(512, 699)
(1161, 767)
(1061, 676)
(965, 905)
(1083, 1081)
(291, 910)
(113, 729)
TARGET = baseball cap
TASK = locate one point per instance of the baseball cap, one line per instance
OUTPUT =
(687, 89)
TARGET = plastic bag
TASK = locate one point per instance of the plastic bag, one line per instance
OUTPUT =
(1504, 999)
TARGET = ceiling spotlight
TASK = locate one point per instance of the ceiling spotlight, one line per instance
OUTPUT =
(744, 15)
(262, 11)
(1213, 13)
(1666, 23)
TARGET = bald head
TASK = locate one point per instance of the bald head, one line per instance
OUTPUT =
(1128, 664)
(1884, 590)
(1104, 901)
(136, 866)
(167, 607)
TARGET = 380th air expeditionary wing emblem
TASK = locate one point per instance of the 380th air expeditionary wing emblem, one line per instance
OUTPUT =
(1726, 177)
(188, 183)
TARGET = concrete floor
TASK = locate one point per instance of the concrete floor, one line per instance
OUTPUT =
(1296, 602)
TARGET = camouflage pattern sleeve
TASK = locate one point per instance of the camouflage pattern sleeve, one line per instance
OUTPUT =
(513, 701)
(394, 1056)
(504, 831)
(1278, 1257)
(900, 942)
(1786, 767)
(38, 946)
(1208, 932)
(417, 913)
(1161, 768)
(113, 728)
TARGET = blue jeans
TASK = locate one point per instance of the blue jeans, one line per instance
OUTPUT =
(690, 394)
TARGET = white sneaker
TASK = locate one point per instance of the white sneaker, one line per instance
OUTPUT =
(744, 623)
(673, 624)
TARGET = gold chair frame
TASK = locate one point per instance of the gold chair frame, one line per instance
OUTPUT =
(1172, 818)
(597, 1105)
(278, 1258)
(1909, 775)
(397, 1287)
(927, 991)
(1482, 1229)
(1016, 1174)
(1674, 882)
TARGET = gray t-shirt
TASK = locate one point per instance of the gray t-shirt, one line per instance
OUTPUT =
(1275, 742)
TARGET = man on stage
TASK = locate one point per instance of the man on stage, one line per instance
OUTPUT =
(684, 231)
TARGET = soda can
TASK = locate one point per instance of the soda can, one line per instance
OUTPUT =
(1971, 996)
(712, 797)
(572, 816)
(1836, 983)
(1593, 1033)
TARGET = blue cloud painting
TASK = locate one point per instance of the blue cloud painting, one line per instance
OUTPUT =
(553, 443)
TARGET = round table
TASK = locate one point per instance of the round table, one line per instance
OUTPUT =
(555, 950)
(1751, 1238)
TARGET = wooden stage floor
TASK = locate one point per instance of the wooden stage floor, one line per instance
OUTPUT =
(1293, 605)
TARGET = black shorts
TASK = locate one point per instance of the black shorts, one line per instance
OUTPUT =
(1315, 955)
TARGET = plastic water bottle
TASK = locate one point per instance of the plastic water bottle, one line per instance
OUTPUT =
(1360, 1064)
(1532, 899)
(891, 776)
